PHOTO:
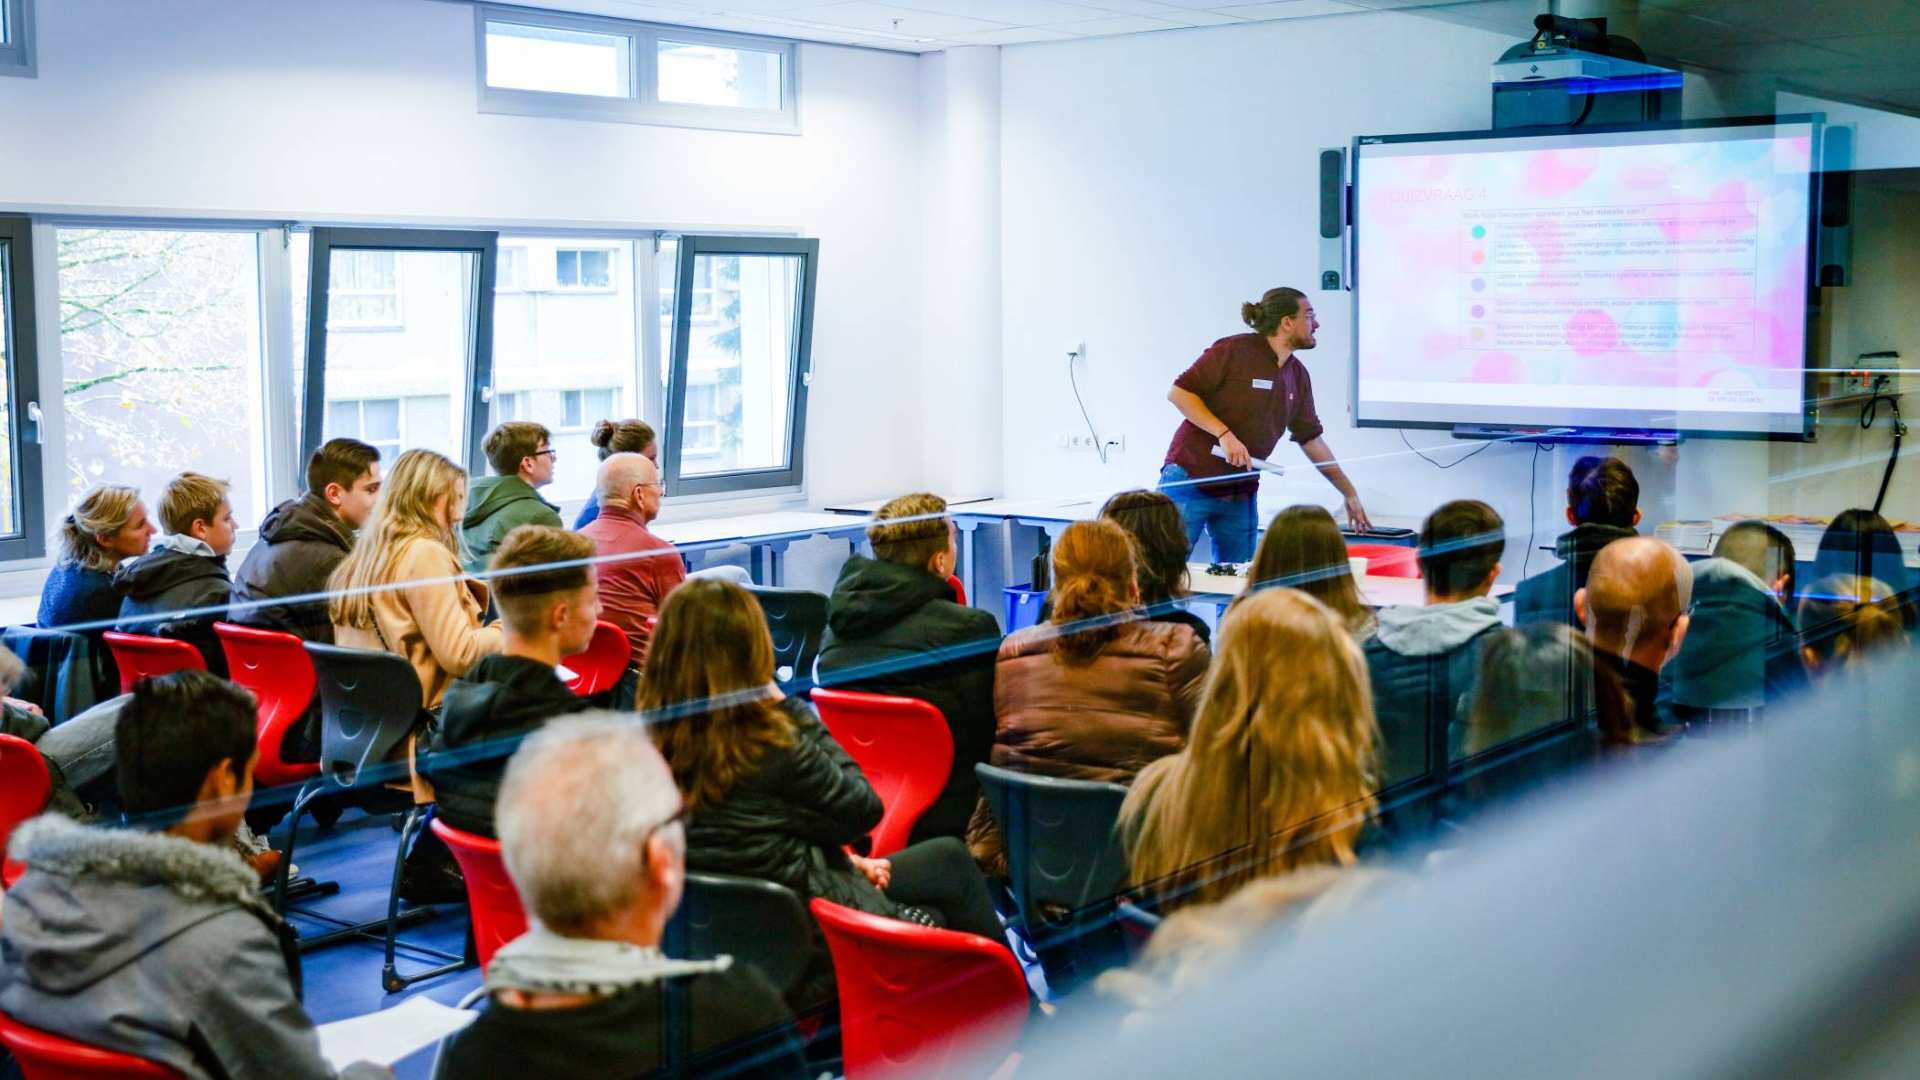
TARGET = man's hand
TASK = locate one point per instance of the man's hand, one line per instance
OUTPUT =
(1237, 455)
(1357, 514)
(878, 871)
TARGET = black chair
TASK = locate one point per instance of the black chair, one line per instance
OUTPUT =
(755, 922)
(370, 703)
(798, 620)
(67, 672)
(1066, 866)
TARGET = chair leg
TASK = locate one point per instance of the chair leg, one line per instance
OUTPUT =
(280, 881)
(390, 976)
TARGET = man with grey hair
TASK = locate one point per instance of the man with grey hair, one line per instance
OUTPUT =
(640, 568)
(589, 825)
(1635, 608)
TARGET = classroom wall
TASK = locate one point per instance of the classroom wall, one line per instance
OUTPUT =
(366, 110)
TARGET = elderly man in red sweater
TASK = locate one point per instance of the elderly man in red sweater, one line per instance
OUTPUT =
(641, 569)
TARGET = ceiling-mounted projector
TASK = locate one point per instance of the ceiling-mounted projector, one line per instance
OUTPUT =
(1572, 73)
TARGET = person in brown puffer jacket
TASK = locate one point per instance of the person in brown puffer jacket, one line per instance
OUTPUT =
(1099, 702)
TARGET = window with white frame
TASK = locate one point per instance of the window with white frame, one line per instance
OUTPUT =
(16, 37)
(583, 269)
(365, 294)
(510, 272)
(595, 68)
(580, 409)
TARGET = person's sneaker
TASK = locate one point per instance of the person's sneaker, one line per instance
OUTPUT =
(428, 882)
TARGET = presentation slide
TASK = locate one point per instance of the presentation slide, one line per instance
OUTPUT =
(1651, 280)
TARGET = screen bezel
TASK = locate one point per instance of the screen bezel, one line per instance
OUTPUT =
(1815, 122)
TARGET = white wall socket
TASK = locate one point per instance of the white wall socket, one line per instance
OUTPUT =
(1077, 350)
(1081, 442)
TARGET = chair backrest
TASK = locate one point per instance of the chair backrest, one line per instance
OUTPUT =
(798, 620)
(920, 1001)
(1387, 560)
(598, 667)
(755, 922)
(1062, 852)
(25, 784)
(904, 747)
(959, 589)
(138, 656)
(43, 1055)
(275, 667)
(369, 702)
(492, 901)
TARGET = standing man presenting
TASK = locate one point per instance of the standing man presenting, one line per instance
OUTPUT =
(1242, 394)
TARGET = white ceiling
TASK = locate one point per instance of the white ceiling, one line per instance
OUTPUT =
(930, 25)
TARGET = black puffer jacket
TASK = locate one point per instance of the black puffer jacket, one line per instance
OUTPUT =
(789, 819)
(166, 580)
(483, 718)
(1548, 595)
(301, 542)
(904, 622)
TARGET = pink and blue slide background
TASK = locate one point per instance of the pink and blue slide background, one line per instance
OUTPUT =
(1657, 284)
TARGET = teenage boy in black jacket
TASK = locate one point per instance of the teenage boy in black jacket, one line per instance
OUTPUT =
(893, 628)
(548, 601)
(187, 571)
(1603, 505)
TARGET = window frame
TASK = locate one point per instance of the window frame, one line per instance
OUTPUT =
(642, 104)
(483, 244)
(399, 320)
(23, 395)
(673, 434)
(613, 268)
(16, 48)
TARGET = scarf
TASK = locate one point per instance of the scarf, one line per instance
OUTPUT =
(541, 961)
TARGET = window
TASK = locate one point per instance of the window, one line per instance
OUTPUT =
(736, 412)
(512, 273)
(365, 292)
(585, 67)
(567, 353)
(716, 75)
(16, 37)
(432, 372)
(162, 360)
(576, 269)
(21, 532)
(553, 60)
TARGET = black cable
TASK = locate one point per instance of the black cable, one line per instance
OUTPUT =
(1871, 412)
(1533, 520)
(1098, 446)
(1480, 450)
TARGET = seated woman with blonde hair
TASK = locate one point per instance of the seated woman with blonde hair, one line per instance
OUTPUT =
(401, 589)
(1280, 768)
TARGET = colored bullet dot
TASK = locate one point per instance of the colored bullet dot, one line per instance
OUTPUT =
(1478, 333)
(1479, 284)
(1479, 257)
(1478, 311)
(1479, 232)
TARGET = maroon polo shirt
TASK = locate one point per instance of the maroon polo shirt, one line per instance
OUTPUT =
(1256, 396)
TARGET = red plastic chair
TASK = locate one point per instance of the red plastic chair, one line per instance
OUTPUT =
(43, 1055)
(138, 656)
(918, 1000)
(904, 747)
(606, 658)
(25, 784)
(492, 901)
(276, 668)
(1387, 560)
(959, 589)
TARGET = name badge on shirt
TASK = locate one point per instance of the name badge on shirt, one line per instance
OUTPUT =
(1263, 384)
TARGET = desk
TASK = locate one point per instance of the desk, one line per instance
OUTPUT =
(872, 506)
(765, 535)
(1376, 591)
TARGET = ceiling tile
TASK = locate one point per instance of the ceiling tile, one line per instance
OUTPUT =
(1779, 57)
(1877, 48)
(1114, 24)
(1197, 17)
(1163, 8)
(886, 18)
(1828, 18)
(1010, 12)
(1018, 35)
(1288, 9)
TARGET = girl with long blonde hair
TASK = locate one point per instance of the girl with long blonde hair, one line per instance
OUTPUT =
(1280, 768)
(401, 590)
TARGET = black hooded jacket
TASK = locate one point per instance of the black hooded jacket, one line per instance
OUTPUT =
(895, 629)
(166, 580)
(484, 717)
(1548, 595)
(301, 542)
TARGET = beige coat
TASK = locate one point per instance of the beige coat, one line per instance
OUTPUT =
(435, 624)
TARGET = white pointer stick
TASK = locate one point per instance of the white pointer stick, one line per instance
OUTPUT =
(1258, 463)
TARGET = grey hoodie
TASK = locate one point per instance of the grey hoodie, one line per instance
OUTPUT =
(155, 946)
(1437, 628)
(1422, 662)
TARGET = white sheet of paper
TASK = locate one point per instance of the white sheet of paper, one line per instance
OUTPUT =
(387, 1036)
(1258, 463)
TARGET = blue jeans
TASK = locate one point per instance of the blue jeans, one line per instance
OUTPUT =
(1229, 519)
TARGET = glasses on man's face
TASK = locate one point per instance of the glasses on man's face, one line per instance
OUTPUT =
(549, 452)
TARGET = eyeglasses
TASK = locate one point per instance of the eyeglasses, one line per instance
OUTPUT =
(549, 452)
